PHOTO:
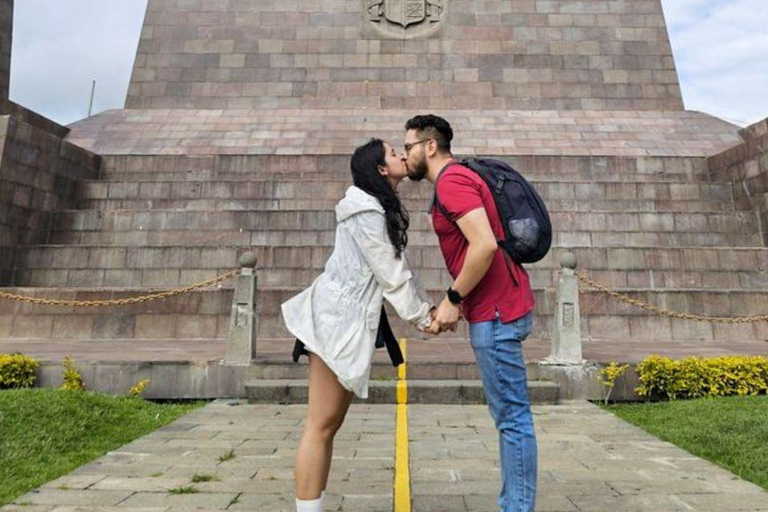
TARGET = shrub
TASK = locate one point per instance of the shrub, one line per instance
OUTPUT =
(609, 375)
(139, 388)
(696, 377)
(72, 379)
(17, 371)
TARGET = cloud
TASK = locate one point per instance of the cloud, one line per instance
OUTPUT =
(721, 52)
(60, 46)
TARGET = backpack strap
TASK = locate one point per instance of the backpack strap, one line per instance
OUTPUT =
(435, 201)
(386, 338)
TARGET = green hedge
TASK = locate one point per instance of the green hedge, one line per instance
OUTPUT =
(695, 377)
(17, 371)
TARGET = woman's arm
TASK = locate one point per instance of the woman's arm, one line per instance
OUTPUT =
(393, 274)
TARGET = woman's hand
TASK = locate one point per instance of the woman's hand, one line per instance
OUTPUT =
(432, 325)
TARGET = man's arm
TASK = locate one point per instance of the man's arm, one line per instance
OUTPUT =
(482, 247)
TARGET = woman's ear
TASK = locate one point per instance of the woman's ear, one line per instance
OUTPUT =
(382, 170)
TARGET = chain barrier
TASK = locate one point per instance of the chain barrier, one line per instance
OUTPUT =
(229, 275)
(667, 312)
(119, 302)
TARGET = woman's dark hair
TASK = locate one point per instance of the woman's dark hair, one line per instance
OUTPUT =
(365, 164)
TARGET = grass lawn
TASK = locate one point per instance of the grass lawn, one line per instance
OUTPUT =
(731, 432)
(47, 433)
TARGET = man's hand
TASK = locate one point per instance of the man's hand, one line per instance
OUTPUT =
(434, 327)
(447, 316)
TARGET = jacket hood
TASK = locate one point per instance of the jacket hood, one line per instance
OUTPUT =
(356, 201)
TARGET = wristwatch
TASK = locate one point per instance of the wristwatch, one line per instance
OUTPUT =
(454, 297)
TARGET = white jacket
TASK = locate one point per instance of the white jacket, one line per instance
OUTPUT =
(337, 317)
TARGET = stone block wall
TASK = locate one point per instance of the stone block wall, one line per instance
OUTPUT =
(746, 167)
(38, 174)
(467, 54)
(9, 108)
(6, 33)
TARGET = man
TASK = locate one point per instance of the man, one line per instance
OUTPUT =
(491, 291)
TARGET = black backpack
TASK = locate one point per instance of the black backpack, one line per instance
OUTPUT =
(527, 228)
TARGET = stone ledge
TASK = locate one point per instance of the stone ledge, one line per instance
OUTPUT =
(338, 132)
(385, 392)
(21, 113)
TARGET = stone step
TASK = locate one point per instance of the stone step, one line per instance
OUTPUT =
(647, 267)
(431, 278)
(186, 371)
(206, 315)
(99, 192)
(385, 392)
(314, 166)
(274, 368)
(312, 238)
(412, 205)
(226, 222)
(302, 176)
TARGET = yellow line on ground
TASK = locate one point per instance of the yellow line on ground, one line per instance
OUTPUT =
(402, 457)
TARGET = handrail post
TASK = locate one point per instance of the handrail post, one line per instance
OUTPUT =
(241, 341)
(566, 335)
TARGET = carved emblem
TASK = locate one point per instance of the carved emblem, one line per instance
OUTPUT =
(404, 12)
(374, 9)
(568, 314)
(434, 10)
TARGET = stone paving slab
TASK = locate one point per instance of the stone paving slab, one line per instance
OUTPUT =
(264, 438)
(589, 460)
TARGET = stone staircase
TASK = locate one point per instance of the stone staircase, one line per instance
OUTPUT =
(433, 391)
(239, 124)
(655, 228)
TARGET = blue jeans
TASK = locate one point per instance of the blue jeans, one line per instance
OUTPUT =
(499, 354)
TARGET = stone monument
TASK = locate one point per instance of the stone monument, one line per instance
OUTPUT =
(413, 54)
(241, 116)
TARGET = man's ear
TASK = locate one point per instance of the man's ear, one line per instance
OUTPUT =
(431, 148)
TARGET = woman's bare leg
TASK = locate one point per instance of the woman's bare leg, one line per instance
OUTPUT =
(328, 405)
(328, 459)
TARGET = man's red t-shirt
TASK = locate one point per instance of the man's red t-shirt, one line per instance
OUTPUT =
(505, 287)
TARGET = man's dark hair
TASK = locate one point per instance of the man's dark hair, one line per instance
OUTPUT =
(434, 127)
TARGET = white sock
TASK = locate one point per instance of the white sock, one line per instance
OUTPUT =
(311, 505)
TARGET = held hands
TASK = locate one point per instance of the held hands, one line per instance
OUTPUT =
(444, 318)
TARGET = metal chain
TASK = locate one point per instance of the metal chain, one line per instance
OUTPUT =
(118, 302)
(666, 312)
(210, 282)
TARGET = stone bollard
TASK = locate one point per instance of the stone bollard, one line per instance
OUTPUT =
(566, 335)
(241, 341)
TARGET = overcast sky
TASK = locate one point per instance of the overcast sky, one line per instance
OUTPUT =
(60, 46)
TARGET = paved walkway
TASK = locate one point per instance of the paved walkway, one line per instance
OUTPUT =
(589, 461)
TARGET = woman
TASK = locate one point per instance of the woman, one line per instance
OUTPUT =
(338, 318)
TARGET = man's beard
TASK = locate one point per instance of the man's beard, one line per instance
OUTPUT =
(419, 172)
